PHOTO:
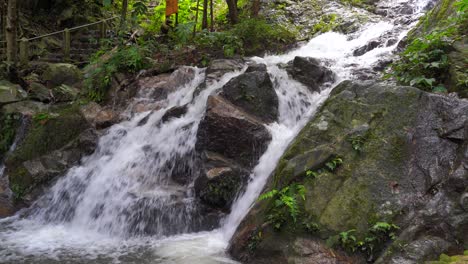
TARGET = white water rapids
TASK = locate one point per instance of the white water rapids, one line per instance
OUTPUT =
(96, 212)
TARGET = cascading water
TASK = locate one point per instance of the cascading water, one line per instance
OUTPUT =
(120, 206)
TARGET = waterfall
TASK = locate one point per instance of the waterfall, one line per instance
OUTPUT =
(120, 204)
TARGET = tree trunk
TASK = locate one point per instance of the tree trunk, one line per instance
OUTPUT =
(212, 15)
(11, 29)
(255, 8)
(123, 15)
(232, 6)
(205, 15)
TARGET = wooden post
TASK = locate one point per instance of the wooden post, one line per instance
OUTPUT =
(23, 51)
(66, 45)
(102, 31)
(11, 31)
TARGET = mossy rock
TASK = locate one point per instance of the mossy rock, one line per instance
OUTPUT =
(47, 132)
(9, 122)
(399, 130)
(57, 74)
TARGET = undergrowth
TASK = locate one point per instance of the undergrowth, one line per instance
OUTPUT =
(126, 59)
(425, 63)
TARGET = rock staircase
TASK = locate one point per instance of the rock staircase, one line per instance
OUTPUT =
(84, 44)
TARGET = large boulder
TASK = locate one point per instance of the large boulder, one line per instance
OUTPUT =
(253, 92)
(220, 181)
(231, 142)
(309, 72)
(10, 93)
(218, 68)
(57, 74)
(231, 132)
(49, 141)
(404, 155)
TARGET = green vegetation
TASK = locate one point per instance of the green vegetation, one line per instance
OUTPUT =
(371, 241)
(425, 63)
(127, 59)
(254, 239)
(446, 259)
(357, 142)
(285, 204)
(18, 192)
(8, 125)
(330, 166)
(327, 23)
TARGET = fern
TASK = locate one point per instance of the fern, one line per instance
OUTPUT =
(268, 195)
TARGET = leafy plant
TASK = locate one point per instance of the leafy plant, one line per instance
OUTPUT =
(18, 192)
(357, 142)
(129, 59)
(258, 35)
(284, 200)
(330, 166)
(8, 127)
(42, 118)
(254, 239)
(424, 63)
(375, 236)
(347, 240)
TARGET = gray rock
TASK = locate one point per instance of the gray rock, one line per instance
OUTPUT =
(10, 93)
(309, 72)
(412, 170)
(254, 93)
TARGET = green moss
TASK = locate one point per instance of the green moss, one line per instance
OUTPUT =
(44, 136)
(20, 181)
(8, 126)
(349, 208)
(51, 134)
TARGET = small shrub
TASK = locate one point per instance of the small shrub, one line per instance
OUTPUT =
(258, 35)
(424, 63)
(254, 239)
(285, 203)
(129, 59)
(330, 166)
(375, 237)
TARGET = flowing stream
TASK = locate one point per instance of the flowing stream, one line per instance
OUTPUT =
(119, 205)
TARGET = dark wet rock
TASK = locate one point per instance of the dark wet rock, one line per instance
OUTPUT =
(57, 74)
(253, 92)
(153, 88)
(309, 72)
(98, 116)
(220, 181)
(254, 67)
(231, 132)
(10, 93)
(366, 48)
(411, 170)
(48, 145)
(183, 169)
(174, 112)
(230, 142)
(39, 92)
(218, 68)
(221, 187)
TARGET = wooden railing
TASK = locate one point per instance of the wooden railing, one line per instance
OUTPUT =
(24, 43)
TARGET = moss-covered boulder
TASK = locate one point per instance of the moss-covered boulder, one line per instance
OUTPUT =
(10, 93)
(49, 142)
(57, 74)
(374, 156)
